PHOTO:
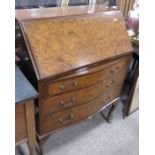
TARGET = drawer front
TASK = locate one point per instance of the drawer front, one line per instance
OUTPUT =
(82, 81)
(73, 115)
(20, 124)
(71, 99)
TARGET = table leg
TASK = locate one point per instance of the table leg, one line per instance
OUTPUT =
(30, 122)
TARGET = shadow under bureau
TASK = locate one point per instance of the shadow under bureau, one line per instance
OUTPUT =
(80, 60)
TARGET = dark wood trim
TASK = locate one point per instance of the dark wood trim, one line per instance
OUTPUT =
(131, 93)
(129, 99)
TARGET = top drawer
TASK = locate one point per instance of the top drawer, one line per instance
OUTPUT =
(89, 78)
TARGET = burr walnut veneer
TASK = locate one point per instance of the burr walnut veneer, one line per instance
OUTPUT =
(80, 60)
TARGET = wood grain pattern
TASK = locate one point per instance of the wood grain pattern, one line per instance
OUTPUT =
(74, 98)
(20, 123)
(30, 121)
(78, 113)
(25, 124)
(72, 51)
(83, 78)
(59, 45)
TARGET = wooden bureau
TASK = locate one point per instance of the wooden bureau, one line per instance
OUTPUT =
(80, 60)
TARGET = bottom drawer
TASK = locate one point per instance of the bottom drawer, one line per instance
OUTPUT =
(73, 115)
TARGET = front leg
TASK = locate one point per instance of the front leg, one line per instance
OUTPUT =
(113, 107)
(40, 143)
(108, 118)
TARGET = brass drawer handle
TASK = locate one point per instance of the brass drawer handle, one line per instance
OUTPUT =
(62, 87)
(70, 117)
(75, 83)
(115, 70)
(111, 84)
(68, 104)
(107, 100)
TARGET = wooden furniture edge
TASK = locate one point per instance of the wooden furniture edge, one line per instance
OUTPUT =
(30, 123)
(76, 123)
(104, 9)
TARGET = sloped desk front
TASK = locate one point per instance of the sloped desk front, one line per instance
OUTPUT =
(80, 62)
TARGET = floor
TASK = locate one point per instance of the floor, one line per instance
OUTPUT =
(95, 137)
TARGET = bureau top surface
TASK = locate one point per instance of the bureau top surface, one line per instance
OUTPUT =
(60, 44)
(23, 88)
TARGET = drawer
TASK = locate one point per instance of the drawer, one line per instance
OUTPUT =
(80, 96)
(20, 123)
(73, 115)
(81, 81)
